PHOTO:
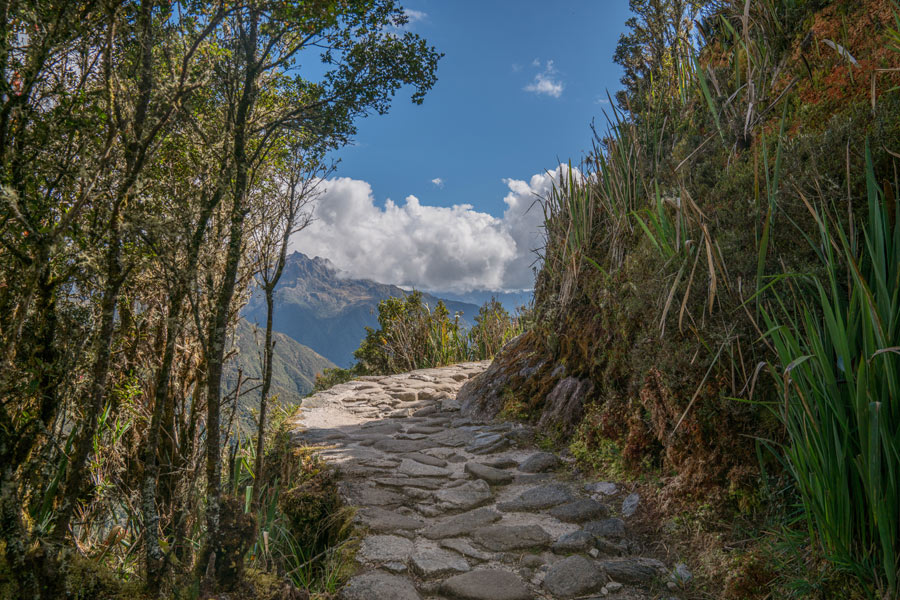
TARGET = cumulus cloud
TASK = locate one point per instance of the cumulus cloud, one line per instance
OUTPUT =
(438, 182)
(455, 249)
(414, 16)
(546, 82)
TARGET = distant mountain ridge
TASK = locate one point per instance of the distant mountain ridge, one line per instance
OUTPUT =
(320, 308)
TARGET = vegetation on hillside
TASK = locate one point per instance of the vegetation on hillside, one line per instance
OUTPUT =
(723, 268)
(412, 336)
(154, 157)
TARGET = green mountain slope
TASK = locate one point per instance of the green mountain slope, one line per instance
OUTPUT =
(294, 366)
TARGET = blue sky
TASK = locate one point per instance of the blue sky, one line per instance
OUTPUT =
(517, 89)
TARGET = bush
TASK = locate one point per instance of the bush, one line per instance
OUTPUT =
(412, 336)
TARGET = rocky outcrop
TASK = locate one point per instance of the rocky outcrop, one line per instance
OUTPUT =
(523, 380)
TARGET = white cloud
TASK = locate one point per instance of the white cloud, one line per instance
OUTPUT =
(457, 249)
(438, 182)
(546, 82)
(414, 16)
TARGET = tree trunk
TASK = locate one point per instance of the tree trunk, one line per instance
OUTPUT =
(223, 302)
(264, 394)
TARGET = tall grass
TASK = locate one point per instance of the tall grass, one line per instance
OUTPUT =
(838, 347)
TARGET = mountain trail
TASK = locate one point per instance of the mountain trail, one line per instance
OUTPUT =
(454, 509)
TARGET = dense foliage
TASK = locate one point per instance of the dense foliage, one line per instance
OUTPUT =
(722, 268)
(155, 157)
(411, 336)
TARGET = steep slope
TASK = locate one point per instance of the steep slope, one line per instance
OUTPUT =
(320, 308)
(294, 366)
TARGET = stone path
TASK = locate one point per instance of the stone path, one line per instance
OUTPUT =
(453, 509)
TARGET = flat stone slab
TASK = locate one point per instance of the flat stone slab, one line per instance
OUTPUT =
(379, 586)
(490, 474)
(487, 443)
(430, 564)
(428, 483)
(401, 446)
(426, 459)
(578, 511)
(453, 438)
(574, 576)
(537, 498)
(577, 541)
(365, 495)
(633, 570)
(539, 462)
(385, 521)
(463, 497)
(463, 547)
(607, 528)
(384, 549)
(462, 524)
(488, 584)
(415, 468)
(503, 538)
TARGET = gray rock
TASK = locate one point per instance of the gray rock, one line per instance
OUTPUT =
(633, 570)
(427, 429)
(630, 504)
(539, 462)
(404, 395)
(614, 586)
(386, 521)
(607, 488)
(424, 412)
(379, 586)
(379, 427)
(487, 443)
(462, 524)
(501, 463)
(416, 469)
(577, 541)
(609, 548)
(490, 474)
(579, 511)
(532, 561)
(427, 483)
(395, 566)
(454, 438)
(426, 459)
(564, 405)
(503, 538)
(401, 446)
(385, 548)
(488, 584)
(681, 574)
(450, 404)
(429, 564)
(574, 576)
(369, 495)
(538, 498)
(465, 548)
(463, 497)
(608, 528)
